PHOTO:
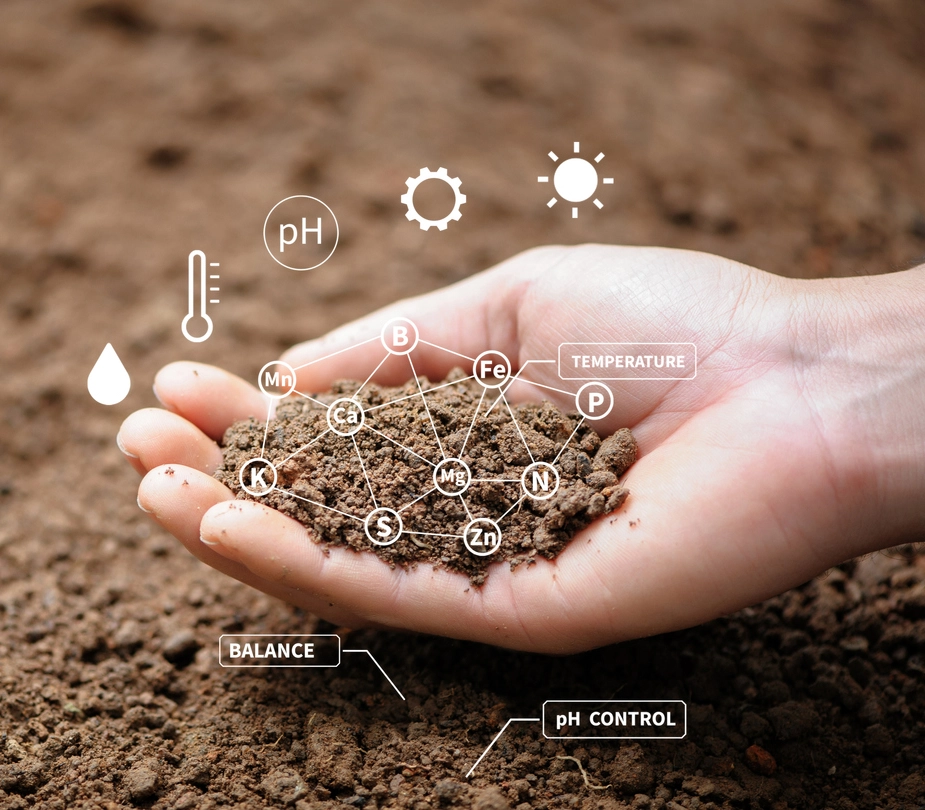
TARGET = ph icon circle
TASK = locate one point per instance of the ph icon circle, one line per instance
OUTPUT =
(301, 232)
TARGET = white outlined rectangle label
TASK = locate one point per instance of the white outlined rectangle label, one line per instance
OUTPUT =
(614, 719)
(627, 361)
(274, 651)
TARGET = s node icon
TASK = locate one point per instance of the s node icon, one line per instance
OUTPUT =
(383, 526)
(408, 198)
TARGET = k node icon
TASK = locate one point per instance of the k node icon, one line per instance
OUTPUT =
(408, 198)
(483, 491)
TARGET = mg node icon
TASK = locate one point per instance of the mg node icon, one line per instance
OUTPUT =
(452, 476)
(482, 537)
(540, 481)
(383, 526)
(253, 477)
(345, 416)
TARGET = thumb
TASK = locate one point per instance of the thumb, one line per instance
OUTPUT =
(436, 332)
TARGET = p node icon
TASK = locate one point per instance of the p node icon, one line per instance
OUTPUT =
(540, 481)
(345, 416)
(383, 526)
(257, 477)
(491, 369)
(276, 379)
(452, 476)
(594, 400)
(399, 336)
(482, 537)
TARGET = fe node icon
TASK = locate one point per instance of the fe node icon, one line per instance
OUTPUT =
(300, 232)
(346, 416)
(383, 526)
(408, 198)
(491, 369)
(575, 180)
(257, 477)
(482, 537)
(452, 476)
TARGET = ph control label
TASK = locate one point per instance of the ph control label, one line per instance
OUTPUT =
(615, 719)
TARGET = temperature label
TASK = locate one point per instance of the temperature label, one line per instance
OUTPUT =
(202, 281)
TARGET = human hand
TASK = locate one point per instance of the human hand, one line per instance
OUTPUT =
(759, 473)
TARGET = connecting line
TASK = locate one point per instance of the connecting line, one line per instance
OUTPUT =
(311, 399)
(304, 447)
(516, 377)
(266, 429)
(363, 467)
(315, 503)
(580, 423)
(514, 420)
(426, 406)
(503, 729)
(380, 669)
(466, 507)
(512, 507)
(496, 480)
(387, 355)
(419, 498)
(472, 423)
(444, 349)
(434, 534)
(334, 354)
(399, 444)
(412, 396)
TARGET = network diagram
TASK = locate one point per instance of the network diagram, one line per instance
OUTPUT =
(450, 475)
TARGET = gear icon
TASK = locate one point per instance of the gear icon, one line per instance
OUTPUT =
(408, 198)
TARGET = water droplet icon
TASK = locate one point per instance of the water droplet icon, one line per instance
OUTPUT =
(108, 382)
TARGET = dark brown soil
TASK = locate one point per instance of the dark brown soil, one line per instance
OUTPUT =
(786, 134)
(328, 484)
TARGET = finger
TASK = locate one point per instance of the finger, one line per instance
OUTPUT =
(209, 397)
(152, 437)
(454, 325)
(425, 599)
(177, 497)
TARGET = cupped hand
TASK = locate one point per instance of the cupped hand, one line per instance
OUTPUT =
(737, 494)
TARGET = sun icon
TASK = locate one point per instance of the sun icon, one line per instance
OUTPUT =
(575, 180)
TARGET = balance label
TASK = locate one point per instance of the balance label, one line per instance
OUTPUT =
(614, 719)
(627, 361)
(256, 650)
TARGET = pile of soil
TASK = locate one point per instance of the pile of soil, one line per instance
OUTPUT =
(328, 475)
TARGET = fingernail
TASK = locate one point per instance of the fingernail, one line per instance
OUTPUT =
(157, 396)
(146, 511)
(208, 542)
(121, 447)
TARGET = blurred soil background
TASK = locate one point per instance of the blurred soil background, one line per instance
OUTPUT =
(785, 134)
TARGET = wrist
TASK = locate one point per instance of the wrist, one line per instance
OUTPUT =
(860, 346)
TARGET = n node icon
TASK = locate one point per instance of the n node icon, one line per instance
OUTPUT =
(575, 180)
(540, 481)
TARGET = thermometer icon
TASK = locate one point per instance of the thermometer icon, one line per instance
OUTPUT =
(199, 277)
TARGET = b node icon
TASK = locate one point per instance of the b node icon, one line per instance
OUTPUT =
(276, 379)
(383, 526)
(594, 400)
(257, 477)
(482, 537)
(408, 198)
(399, 336)
(540, 481)
(491, 369)
(452, 476)
(300, 232)
(346, 416)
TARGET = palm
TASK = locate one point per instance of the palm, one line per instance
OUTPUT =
(719, 453)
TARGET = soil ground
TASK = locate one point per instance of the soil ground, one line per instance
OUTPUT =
(784, 134)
